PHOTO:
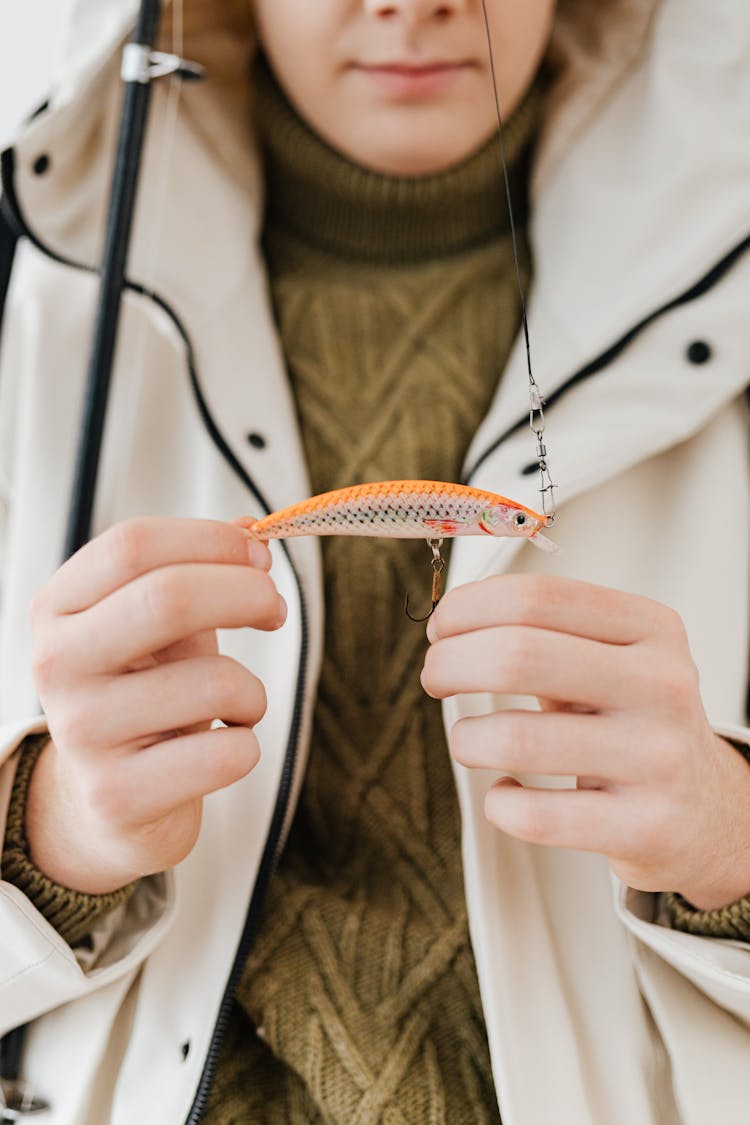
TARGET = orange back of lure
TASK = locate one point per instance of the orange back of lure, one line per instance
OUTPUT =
(403, 509)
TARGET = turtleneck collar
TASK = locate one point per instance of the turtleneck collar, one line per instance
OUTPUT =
(320, 197)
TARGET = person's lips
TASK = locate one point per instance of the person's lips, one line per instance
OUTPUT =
(414, 80)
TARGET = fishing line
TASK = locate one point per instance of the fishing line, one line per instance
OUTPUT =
(536, 414)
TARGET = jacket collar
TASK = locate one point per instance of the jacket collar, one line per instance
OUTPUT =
(623, 149)
(653, 191)
(94, 32)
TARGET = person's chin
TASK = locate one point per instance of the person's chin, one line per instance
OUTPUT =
(412, 161)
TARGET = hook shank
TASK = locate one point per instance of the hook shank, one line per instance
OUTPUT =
(438, 566)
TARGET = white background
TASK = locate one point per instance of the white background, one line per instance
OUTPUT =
(30, 40)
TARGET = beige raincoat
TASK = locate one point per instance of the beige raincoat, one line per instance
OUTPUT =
(597, 1013)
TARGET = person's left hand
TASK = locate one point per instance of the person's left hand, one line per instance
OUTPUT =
(663, 797)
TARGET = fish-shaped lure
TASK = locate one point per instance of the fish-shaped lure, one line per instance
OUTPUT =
(404, 509)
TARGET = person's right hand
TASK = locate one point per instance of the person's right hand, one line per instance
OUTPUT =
(127, 668)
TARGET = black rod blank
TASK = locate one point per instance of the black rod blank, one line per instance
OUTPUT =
(112, 274)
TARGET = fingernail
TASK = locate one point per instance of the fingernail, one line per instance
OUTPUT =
(258, 554)
(431, 630)
(283, 611)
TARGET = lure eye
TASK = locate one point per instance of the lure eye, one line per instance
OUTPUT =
(519, 519)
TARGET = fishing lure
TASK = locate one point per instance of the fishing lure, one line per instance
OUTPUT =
(403, 509)
(406, 509)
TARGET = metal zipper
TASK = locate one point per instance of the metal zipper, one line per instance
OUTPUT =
(271, 855)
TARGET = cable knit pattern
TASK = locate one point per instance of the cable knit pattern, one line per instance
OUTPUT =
(731, 921)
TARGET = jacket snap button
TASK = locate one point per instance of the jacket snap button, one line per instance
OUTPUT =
(257, 441)
(698, 352)
(41, 165)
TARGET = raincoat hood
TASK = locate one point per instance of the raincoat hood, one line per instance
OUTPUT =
(651, 98)
(639, 222)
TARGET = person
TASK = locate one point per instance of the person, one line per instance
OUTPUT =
(551, 922)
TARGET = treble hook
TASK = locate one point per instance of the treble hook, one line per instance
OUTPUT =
(438, 566)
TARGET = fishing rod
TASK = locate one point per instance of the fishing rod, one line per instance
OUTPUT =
(141, 65)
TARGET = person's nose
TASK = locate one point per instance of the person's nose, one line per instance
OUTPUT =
(414, 11)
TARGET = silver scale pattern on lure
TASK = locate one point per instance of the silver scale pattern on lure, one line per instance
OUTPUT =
(404, 510)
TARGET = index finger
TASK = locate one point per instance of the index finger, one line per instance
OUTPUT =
(129, 550)
(564, 605)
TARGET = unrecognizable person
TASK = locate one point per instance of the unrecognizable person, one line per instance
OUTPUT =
(271, 855)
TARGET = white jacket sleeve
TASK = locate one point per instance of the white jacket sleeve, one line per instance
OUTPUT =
(705, 960)
(38, 971)
(692, 982)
